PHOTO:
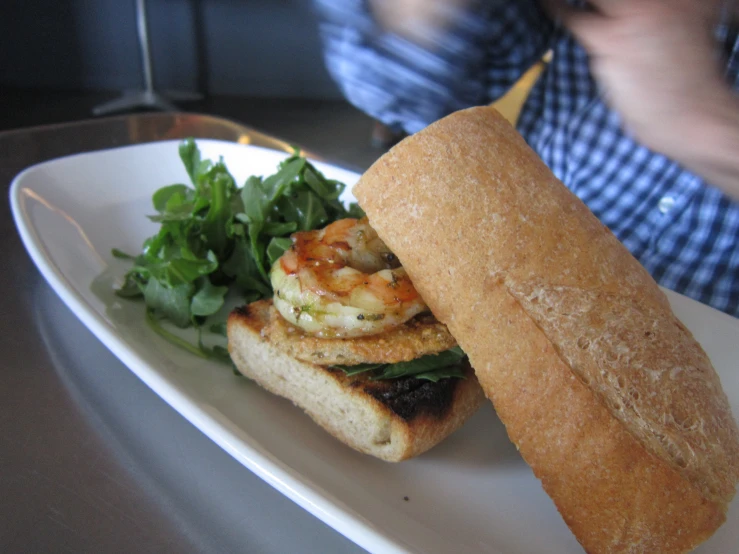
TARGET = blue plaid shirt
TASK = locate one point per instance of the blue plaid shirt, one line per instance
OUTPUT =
(685, 232)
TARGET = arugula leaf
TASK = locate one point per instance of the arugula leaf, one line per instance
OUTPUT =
(277, 247)
(255, 199)
(352, 370)
(121, 255)
(162, 196)
(311, 211)
(442, 373)
(200, 350)
(132, 287)
(424, 364)
(208, 300)
(214, 226)
(175, 215)
(355, 211)
(182, 270)
(190, 156)
(242, 268)
(319, 184)
(252, 296)
(306, 209)
(154, 324)
(195, 166)
(431, 367)
(170, 302)
(276, 229)
(275, 185)
(258, 249)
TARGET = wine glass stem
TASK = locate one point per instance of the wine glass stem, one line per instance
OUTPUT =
(143, 30)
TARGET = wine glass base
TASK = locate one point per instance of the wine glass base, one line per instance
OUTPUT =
(145, 99)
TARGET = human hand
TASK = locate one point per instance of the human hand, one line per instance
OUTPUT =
(655, 60)
(658, 65)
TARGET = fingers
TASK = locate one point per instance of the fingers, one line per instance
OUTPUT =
(585, 24)
(611, 7)
(557, 8)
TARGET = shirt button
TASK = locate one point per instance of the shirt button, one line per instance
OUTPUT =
(665, 204)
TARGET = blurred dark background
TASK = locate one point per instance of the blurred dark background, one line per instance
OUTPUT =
(233, 47)
(256, 61)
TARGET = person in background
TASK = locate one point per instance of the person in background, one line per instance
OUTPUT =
(637, 113)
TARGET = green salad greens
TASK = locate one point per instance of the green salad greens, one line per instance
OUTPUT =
(216, 236)
(431, 367)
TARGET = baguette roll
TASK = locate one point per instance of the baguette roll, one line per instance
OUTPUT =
(607, 395)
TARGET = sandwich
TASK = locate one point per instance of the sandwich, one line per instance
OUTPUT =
(606, 394)
(347, 338)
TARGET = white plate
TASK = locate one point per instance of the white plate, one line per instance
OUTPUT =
(473, 493)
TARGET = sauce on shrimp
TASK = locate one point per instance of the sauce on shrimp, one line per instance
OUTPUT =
(343, 281)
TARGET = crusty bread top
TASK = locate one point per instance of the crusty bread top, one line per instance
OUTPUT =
(467, 206)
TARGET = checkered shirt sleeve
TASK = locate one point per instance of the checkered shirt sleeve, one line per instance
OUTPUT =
(684, 232)
(406, 86)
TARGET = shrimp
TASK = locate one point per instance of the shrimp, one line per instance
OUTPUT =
(342, 281)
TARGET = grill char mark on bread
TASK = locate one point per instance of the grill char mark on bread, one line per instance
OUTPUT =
(410, 398)
(392, 420)
(608, 397)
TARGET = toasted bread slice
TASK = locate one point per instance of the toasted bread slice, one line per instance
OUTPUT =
(393, 420)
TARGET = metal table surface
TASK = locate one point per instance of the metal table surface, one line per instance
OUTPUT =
(91, 460)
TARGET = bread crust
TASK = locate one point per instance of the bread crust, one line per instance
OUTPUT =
(392, 420)
(608, 397)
